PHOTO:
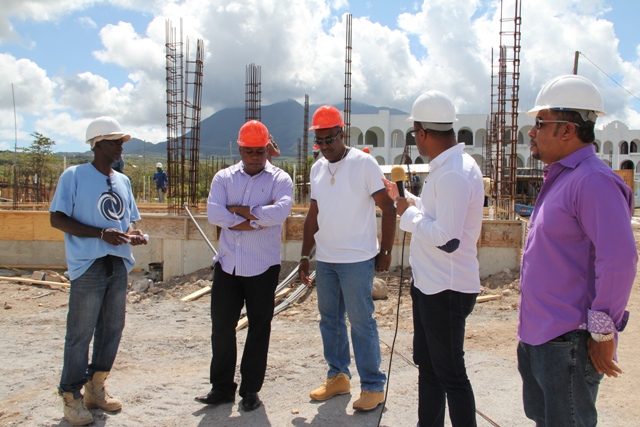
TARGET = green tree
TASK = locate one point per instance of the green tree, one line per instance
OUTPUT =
(40, 167)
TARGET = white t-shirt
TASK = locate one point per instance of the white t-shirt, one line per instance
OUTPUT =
(347, 228)
(84, 194)
(450, 207)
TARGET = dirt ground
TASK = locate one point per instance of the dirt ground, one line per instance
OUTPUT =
(164, 356)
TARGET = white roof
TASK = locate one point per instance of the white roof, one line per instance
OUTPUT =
(417, 168)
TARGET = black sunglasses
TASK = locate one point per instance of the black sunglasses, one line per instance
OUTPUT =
(327, 141)
(540, 122)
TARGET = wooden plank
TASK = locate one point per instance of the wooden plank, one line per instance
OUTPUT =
(34, 282)
(16, 225)
(159, 226)
(294, 228)
(627, 177)
(501, 234)
(197, 294)
(43, 230)
(485, 298)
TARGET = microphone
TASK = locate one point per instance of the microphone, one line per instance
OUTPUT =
(399, 176)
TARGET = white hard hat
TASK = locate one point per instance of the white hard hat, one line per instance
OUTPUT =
(434, 107)
(159, 165)
(105, 127)
(572, 93)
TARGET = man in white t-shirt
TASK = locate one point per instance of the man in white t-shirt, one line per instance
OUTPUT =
(95, 208)
(346, 186)
(445, 223)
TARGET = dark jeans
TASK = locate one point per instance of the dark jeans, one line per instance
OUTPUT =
(438, 350)
(559, 382)
(97, 302)
(228, 294)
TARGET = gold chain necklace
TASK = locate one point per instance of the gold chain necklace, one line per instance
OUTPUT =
(333, 174)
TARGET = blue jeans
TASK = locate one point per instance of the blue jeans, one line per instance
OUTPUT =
(559, 382)
(96, 310)
(346, 289)
(438, 350)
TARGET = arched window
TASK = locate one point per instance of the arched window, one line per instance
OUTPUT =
(466, 136)
(633, 148)
(624, 147)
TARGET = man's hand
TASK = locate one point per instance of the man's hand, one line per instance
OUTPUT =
(115, 237)
(383, 262)
(303, 272)
(136, 237)
(601, 354)
(391, 188)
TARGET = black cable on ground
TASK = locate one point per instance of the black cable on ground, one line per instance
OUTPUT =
(395, 334)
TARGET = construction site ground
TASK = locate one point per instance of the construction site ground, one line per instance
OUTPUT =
(163, 362)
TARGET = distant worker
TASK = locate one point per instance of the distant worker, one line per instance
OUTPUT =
(249, 201)
(272, 149)
(162, 182)
(445, 223)
(95, 208)
(316, 152)
(346, 186)
(415, 184)
(579, 261)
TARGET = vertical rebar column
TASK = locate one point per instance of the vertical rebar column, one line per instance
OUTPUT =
(347, 82)
(305, 153)
(298, 185)
(192, 111)
(505, 168)
(174, 68)
(252, 109)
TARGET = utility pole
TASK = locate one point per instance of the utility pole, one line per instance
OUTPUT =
(575, 62)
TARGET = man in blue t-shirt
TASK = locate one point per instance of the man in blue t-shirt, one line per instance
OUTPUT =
(95, 208)
(161, 180)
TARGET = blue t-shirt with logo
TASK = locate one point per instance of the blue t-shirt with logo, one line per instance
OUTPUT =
(92, 198)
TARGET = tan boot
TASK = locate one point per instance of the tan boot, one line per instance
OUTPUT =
(338, 384)
(368, 400)
(74, 411)
(96, 396)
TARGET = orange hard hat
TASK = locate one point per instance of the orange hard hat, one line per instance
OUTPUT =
(326, 117)
(253, 134)
(366, 150)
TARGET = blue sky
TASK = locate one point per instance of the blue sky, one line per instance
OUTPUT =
(73, 60)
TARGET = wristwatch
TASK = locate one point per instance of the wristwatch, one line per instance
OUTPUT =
(602, 337)
(383, 252)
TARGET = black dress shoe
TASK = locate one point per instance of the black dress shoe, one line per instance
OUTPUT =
(250, 401)
(215, 397)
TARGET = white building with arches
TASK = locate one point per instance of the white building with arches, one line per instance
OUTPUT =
(386, 135)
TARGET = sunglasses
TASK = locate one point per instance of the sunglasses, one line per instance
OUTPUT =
(328, 140)
(540, 122)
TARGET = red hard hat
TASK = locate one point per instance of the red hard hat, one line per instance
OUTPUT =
(366, 150)
(253, 134)
(326, 117)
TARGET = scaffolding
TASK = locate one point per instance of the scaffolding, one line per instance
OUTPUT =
(183, 119)
(347, 82)
(253, 93)
(502, 140)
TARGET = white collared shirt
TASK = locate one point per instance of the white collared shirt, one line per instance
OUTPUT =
(450, 207)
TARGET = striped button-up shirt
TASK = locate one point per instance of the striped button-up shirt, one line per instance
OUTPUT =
(268, 194)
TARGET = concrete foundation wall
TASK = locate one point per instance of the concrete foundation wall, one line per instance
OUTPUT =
(175, 241)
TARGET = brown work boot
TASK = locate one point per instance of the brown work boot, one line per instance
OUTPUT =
(368, 400)
(74, 410)
(338, 384)
(96, 396)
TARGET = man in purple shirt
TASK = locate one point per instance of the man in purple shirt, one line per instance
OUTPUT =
(249, 201)
(579, 261)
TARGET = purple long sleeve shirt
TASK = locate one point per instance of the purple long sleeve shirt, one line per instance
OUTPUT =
(580, 257)
(268, 193)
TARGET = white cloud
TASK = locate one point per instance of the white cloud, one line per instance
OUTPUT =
(87, 22)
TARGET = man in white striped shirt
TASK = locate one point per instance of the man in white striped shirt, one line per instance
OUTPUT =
(249, 201)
